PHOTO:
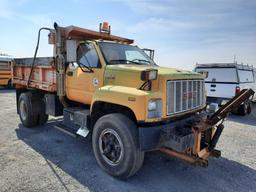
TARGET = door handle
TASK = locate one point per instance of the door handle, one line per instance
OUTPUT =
(70, 73)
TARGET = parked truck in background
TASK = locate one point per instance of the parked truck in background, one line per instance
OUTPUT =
(225, 80)
(5, 71)
(104, 85)
(254, 72)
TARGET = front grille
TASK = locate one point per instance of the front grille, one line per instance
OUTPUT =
(184, 95)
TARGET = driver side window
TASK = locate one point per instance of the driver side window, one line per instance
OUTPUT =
(87, 55)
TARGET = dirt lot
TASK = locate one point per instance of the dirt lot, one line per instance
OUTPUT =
(45, 159)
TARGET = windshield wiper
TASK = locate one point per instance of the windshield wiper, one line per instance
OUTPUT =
(141, 60)
(116, 61)
(81, 65)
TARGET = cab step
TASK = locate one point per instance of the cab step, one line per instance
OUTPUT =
(82, 132)
(74, 121)
(65, 129)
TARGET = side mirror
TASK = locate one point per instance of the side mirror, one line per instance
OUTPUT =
(150, 53)
(71, 46)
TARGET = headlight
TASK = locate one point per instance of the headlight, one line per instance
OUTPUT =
(155, 108)
(150, 74)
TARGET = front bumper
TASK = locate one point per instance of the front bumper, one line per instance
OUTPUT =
(175, 134)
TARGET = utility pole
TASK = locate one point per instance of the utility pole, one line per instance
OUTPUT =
(235, 58)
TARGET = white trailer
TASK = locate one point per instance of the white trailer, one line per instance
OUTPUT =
(225, 80)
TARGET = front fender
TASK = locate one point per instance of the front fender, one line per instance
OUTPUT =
(134, 99)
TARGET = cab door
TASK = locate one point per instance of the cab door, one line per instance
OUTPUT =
(86, 75)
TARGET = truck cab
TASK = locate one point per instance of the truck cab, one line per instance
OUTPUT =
(127, 71)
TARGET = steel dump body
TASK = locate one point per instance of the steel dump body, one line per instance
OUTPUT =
(43, 76)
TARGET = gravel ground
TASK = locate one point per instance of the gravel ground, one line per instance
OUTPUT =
(45, 159)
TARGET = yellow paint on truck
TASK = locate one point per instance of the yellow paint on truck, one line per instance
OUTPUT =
(117, 83)
(5, 71)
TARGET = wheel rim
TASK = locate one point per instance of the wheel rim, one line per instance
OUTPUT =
(23, 110)
(111, 147)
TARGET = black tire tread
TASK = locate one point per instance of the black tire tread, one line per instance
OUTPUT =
(31, 120)
(130, 131)
(42, 119)
(243, 110)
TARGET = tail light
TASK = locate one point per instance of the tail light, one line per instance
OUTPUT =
(237, 90)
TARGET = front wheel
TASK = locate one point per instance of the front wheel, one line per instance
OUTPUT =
(115, 145)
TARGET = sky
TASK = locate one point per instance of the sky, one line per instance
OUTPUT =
(182, 32)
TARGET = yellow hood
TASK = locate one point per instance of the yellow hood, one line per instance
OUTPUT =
(129, 75)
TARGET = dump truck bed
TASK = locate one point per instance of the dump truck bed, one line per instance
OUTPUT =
(43, 75)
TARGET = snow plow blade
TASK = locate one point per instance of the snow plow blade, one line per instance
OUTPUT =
(207, 133)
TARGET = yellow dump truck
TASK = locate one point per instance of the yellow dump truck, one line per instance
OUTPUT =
(105, 85)
(5, 72)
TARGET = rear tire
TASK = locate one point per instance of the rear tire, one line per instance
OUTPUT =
(42, 119)
(27, 117)
(249, 110)
(245, 108)
(115, 145)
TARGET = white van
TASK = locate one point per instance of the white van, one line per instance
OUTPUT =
(225, 80)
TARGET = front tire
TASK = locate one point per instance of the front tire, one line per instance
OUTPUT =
(115, 145)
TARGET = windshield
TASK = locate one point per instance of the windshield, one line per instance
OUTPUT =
(115, 53)
(220, 74)
(245, 76)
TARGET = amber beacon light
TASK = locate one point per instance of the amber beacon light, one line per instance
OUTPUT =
(105, 27)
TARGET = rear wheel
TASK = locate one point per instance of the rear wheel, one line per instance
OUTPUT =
(31, 110)
(42, 118)
(27, 117)
(249, 110)
(115, 145)
(245, 108)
